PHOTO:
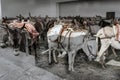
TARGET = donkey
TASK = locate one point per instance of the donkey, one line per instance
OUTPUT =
(107, 36)
(28, 32)
(70, 42)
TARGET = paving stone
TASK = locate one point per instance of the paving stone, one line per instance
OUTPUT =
(26, 78)
(11, 71)
(17, 61)
(45, 75)
(15, 68)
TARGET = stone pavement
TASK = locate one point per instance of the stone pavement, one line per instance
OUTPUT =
(18, 68)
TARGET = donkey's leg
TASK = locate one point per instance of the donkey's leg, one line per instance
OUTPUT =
(50, 60)
(38, 42)
(54, 56)
(35, 49)
(11, 43)
(114, 52)
(27, 47)
(73, 59)
(103, 48)
(70, 61)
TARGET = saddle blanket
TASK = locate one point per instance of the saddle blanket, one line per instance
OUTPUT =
(54, 32)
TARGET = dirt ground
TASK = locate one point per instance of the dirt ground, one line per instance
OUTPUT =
(84, 70)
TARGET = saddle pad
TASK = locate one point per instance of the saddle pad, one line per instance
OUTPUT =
(54, 32)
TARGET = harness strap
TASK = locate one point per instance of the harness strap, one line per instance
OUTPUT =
(69, 40)
(60, 43)
(59, 37)
(62, 46)
(64, 37)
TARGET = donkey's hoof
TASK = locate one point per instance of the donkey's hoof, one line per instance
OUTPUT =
(56, 62)
(16, 54)
(50, 63)
(2, 45)
(97, 60)
(73, 70)
(104, 66)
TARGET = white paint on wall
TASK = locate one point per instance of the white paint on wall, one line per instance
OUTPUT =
(89, 8)
(52, 8)
(12, 8)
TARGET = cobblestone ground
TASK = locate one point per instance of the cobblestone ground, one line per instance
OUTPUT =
(21, 67)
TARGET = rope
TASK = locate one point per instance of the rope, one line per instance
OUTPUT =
(64, 39)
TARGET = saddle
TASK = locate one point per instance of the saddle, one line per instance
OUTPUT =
(54, 34)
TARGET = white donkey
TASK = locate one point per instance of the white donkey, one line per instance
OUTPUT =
(107, 37)
(70, 42)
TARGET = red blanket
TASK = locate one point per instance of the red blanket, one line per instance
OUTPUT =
(30, 28)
